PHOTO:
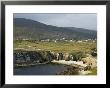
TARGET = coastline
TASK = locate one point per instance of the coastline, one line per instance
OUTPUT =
(72, 63)
(71, 67)
(76, 68)
(28, 65)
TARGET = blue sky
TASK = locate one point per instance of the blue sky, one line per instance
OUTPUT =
(88, 21)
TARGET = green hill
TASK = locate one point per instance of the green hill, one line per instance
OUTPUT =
(30, 29)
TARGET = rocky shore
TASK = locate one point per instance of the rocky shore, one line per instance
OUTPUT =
(23, 58)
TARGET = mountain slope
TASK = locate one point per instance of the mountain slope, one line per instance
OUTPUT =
(30, 29)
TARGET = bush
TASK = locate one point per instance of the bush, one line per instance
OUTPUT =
(93, 49)
(94, 52)
(78, 56)
(46, 56)
(43, 56)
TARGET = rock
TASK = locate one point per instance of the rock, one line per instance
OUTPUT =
(60, 57)
(21, 56)
(90, 61)
(66, 56)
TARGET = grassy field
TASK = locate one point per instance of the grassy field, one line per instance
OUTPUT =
(64, 47)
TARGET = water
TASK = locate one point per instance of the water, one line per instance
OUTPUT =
(42, 69)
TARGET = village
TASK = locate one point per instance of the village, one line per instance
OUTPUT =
(61, 39)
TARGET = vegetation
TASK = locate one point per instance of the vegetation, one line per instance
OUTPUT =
(94, 52)
(58, 47)
(78, 55)
(93, 71)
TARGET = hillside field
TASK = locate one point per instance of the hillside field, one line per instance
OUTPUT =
(57, 47)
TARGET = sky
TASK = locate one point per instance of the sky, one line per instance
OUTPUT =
(79, 20)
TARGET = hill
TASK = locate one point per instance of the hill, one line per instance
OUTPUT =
(30, 29)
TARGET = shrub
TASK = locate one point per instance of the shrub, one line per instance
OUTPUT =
(94, 52)
(78, 55)
(46, 56)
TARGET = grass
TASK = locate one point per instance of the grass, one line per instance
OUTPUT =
(93, 71)
(64, 47)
